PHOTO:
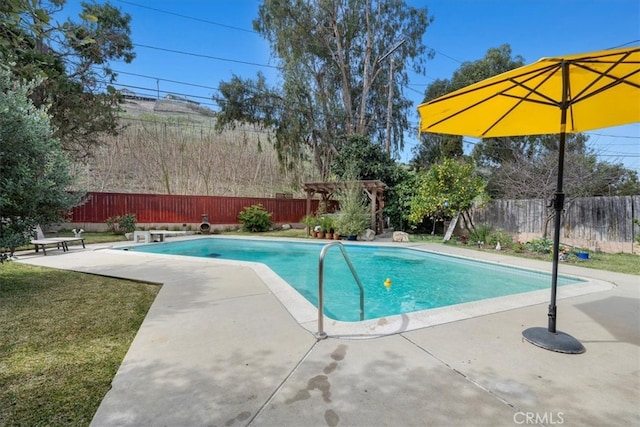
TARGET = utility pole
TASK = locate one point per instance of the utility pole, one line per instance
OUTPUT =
(387, 142)
(390, 92)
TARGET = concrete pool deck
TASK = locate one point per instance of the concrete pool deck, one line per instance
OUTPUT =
(219, 348)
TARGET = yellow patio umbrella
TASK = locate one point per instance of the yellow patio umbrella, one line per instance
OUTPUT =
(573, 93)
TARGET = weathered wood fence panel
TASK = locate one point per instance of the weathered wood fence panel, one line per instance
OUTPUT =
(602, 219)
(606, 219)
(160, 208)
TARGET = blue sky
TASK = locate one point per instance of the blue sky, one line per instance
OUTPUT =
(217, 41)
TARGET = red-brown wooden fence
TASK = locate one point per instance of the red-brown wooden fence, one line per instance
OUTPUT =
(161, 208)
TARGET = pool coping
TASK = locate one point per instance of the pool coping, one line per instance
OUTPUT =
(306, 314)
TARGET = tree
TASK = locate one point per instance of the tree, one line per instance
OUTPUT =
(528, 170)
(436, 146)
(333, 60)
(34, 171)
(73, 58)
(447, 189)
(357, 154)
(368, 161)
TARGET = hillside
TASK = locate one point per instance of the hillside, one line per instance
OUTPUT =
(170, 146)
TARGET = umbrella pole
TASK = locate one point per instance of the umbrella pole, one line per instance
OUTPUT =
(550, 338)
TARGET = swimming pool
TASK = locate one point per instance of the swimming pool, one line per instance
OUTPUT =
(420, 280)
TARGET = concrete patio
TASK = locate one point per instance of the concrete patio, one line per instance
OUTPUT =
(219, 348)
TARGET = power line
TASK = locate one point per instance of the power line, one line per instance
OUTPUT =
(445, 55)
(199, 55)
(166, 80)
(189, 17)
(613, 136)
(154, 91)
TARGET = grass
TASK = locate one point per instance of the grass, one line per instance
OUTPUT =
(63, 337)
(618, 263)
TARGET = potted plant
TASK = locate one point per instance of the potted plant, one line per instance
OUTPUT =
(309, 221)
(336, 235)
(351, 224)
(353, 217)
(326, 226)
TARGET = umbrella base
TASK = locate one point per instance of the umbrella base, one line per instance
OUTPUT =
(554, 341)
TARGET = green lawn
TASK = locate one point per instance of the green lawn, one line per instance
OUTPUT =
(63, 337)
(619, 263)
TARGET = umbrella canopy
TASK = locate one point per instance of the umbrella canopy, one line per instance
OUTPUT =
(572, 93)
(599, 89)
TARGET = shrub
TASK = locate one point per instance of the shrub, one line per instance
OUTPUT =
(353, 217)
(14, 233)
(505, 239)
(255, 218)
(542, 245)
(310, 221)
(519, 247)
(326, 224)
(479, 234)
(121, 224)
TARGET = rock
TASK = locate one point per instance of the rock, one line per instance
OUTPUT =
(286, 226)
(369, 235)
(400, 236)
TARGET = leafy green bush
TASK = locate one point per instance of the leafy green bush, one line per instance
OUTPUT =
(326, 224)
(505, 239)
(480, 233)
(121, 224)
(13, 234)
(519, 247)
(255, 218)
(310, 221)
(542, 245)
(353, 217)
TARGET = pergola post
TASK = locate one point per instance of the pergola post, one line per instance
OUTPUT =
(373, 188)
(373, 198)
(309, 195)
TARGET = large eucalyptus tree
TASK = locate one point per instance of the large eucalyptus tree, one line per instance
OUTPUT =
(343, 65)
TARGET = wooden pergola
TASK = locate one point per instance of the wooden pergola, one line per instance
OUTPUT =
(373, 188)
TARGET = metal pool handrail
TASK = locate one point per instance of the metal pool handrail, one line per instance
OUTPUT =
(321, 334)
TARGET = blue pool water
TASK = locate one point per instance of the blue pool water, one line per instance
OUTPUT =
(419, 280)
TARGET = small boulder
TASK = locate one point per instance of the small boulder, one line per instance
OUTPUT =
(286, 226)
(369, 235)
(400, 236)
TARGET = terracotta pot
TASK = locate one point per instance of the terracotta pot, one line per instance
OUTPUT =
(336, 236)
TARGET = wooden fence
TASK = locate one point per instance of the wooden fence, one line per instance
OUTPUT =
(601, 219)
(175, 209)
